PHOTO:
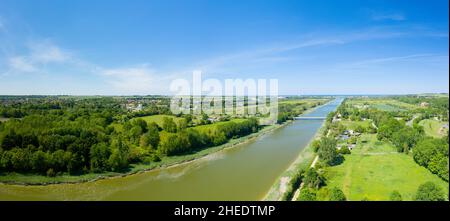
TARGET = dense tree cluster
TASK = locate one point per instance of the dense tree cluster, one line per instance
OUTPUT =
(313, 179)
(287, 111)
(307, 194)
(402, 136)
(54, 135)
(327, 152)
(58, 135)
(432, 153)
(191, 139)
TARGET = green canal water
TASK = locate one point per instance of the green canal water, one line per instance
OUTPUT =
(245, 172)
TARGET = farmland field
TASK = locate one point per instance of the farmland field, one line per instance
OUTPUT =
(383, 104)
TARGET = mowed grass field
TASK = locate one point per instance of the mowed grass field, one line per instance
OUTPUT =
(374, 169)
(158, 119)
(383, 104)
(301, 101)
(352, 125)
(433, 127)
(205, 128)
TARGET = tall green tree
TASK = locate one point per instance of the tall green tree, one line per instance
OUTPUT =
(99, 155)
(150, 140)
(169, 125)
(313, 179)
(327, 151)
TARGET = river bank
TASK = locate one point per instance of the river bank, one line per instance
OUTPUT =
(166, 162)
(303, 161)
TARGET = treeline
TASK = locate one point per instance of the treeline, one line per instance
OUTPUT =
(191, 139)
(52, 143)
(432, 154)
(20, 106)
(436, 106)
(287, 111)
(96, 135)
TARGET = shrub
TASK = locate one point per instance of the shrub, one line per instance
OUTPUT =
(344, 150)
(336, 194)
(395, 196)
(429, 192)
(307, 194)
(51, 173)
(313, 179)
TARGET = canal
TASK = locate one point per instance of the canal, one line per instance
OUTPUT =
(245, 172)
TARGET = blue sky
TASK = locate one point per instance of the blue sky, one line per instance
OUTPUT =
(139, 47)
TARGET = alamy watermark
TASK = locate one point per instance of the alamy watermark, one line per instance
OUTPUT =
(238, 97)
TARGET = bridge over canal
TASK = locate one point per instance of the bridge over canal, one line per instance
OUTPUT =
(309, 118)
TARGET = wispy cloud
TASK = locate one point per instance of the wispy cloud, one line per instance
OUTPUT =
(2, 24)
(393, 17)
(39, 54)
(45, 52)
(388, 15)
(274, 53)
(143, 79)
(21, 64)
(370, 64)
(268, 54)
(393, 59)
(138, 79)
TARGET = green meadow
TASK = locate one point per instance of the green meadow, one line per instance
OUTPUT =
(384, 104)
(352, 125)
(158, 119)
(433, 127)
(374, 169)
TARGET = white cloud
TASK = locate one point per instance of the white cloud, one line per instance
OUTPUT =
(21, 64)
(369, 65)
(393, 59)
(134, 79)
(38, 55)
(247, 57)
(46, 52)
(2, 24)
(388, 16)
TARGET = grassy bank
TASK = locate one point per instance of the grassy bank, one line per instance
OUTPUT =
(33, 179)
(303, 161)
